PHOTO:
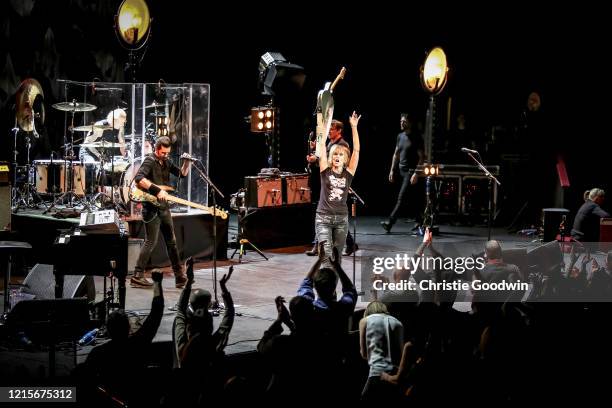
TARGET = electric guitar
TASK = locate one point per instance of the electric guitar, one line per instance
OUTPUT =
(139, 196)
(325, 109)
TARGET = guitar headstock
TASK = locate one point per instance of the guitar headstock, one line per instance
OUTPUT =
(338, 78)
(219, 212)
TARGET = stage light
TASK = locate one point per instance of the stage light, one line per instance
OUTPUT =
(278, 76)
(434, 71)
(262, 119)
(133, 28)
(133, 23)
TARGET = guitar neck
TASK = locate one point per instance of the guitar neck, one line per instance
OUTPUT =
(187, 203)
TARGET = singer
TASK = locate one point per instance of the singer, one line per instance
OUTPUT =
(154, 177)
(336, 172)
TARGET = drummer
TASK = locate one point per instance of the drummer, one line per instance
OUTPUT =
(111, 130)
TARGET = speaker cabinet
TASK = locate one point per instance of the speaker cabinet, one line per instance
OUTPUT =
(263, 191)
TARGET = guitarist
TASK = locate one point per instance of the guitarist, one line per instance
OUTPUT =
(154, 177)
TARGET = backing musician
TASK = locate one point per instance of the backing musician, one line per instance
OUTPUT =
(116, 120)
(154, 176)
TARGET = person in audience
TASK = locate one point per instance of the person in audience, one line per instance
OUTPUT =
(199, 350)
(381, 338)
(119, 364)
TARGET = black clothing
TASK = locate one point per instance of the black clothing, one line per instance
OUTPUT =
(155, 218)
(408, 146)
(334, 192)
(586, 223)
(117, 365)
(157, 173)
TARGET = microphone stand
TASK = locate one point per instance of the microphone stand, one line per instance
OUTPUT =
(491, 178)
(216, 306)
(355, 197)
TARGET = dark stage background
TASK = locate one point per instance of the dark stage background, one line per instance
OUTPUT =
(497, 57)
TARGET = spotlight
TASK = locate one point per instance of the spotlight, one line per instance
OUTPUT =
(434, 71)
(133, 24)
(277, 75)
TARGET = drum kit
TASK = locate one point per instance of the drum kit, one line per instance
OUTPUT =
(70, 180)
(85, 182)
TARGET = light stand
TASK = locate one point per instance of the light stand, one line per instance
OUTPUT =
(491, 179)
(355, 197)
(434, 74)
(216, 306)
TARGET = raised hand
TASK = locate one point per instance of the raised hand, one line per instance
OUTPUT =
(354, 119)
(322, 250)
(189, 271)
(283, 313)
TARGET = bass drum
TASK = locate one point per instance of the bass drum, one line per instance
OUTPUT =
(126, 180)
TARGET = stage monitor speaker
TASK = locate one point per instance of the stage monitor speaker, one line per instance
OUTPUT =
(263, 191)
(553, 221)
(40, 282)
(518, 257)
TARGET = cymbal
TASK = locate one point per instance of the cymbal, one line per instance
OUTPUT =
(74, 106)
(156, 105)
(103, 145)
(91, 128)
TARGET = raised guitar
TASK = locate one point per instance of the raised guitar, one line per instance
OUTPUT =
(325, 108)
(137, 195)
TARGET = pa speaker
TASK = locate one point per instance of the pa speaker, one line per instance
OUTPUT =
(40, 282)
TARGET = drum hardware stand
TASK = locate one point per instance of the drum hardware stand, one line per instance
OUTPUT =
(69, 171)
(24, 198)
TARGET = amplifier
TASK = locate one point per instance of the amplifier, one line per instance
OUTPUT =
(263, 191)
(296, 189)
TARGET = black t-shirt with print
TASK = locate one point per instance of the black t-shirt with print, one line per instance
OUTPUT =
(334, 192)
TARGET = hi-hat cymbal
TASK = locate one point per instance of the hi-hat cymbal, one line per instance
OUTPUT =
(74, 106)
(101, 145)
(91, 128)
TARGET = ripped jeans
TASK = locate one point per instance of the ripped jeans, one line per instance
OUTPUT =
(333, 230)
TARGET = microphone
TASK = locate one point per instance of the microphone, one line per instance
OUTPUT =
(466, 150)
(187, 156)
